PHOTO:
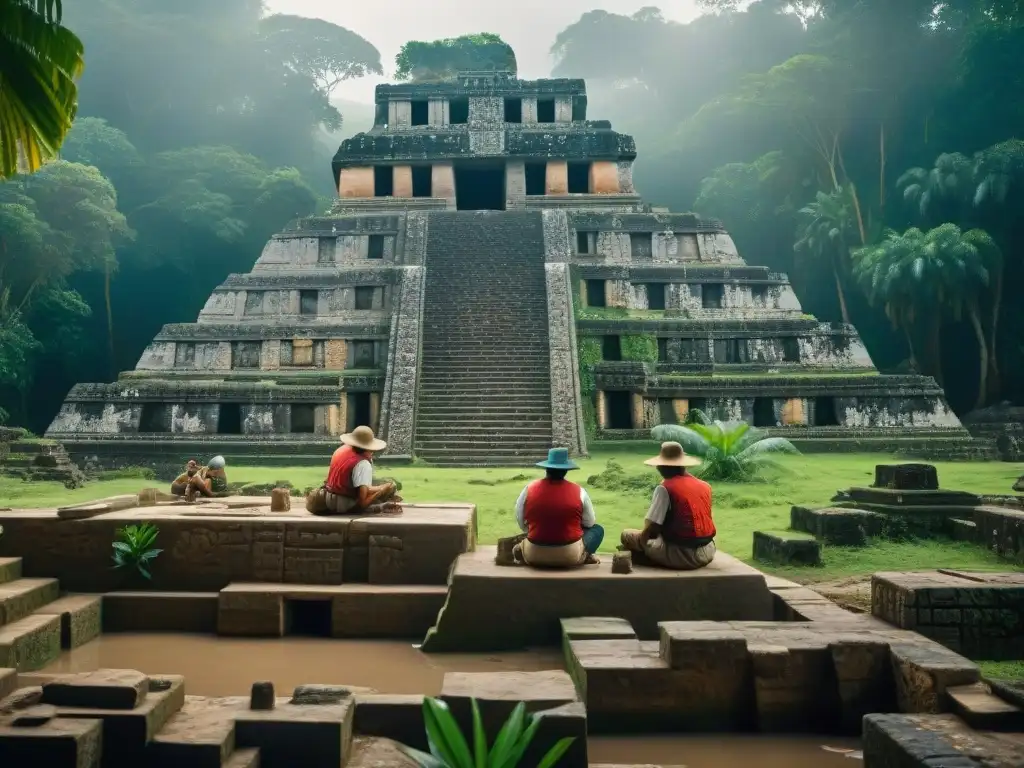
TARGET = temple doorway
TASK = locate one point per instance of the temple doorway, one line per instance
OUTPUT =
(480, 187)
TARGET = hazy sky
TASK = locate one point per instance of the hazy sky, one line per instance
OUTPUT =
(529, 26)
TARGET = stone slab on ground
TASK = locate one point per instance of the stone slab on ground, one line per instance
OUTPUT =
(355, 610)
(975, 613)
(160, 612)
(200, 735)
(60, 743)
(81, 618)
(786, 548)
(30, 643)
(377, 752)
(208, 546)
(979, 707)
(391, 716)
(492, 608)
(10, 569)
(1008, 690)
(597, 628)
(936, 741)
(20, 598)
(321, 733)
(101, 689)
(1001, 529)
(837, 525)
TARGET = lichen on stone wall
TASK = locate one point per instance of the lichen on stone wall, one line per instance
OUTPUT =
(641, 348)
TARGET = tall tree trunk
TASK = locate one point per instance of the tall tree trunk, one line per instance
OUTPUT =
(840, 293)
(994, 383)
(110, 320)
(910, 349)
(979, 332)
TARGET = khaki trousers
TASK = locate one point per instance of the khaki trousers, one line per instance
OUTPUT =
(323, 502)
(566, 556)
(673, 556)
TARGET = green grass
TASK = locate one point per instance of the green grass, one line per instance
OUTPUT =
(740, 509)
(1009, 670)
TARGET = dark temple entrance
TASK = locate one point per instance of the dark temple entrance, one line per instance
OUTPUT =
(479, 187)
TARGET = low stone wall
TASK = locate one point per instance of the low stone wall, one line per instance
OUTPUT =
(1001, 529)
(977, 614)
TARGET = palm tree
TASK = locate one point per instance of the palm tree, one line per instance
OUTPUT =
(941, 193)
(918, 275)
(828, 227)
(39, 62)
(730, 450)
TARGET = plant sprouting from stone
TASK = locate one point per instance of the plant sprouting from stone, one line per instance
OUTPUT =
(450, 749)
(730, 451)
(135, 547)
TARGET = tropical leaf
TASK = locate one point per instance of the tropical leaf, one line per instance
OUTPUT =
(728, 450)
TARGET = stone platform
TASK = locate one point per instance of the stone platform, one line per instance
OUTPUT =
(491, 607)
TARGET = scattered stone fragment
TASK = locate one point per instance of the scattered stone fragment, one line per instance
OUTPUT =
(148, 497)
(280, 500)
(622, 562)
(33, 717)
(505, 547)
(323, 694)
(102, 689)
(23, 698)
(262, 696)
(157, 684)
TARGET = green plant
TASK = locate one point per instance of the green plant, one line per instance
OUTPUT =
(640, 348)
(449, 749)
(730, 450)
(134, 546)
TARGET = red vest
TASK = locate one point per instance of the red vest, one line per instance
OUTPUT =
(554, 512)
(339, 476)
(689, 512)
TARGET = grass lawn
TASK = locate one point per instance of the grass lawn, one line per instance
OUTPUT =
(739, 509)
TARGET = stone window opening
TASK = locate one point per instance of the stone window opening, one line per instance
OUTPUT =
(422, 181)
(764, 412)
(513, 110)
(579, 108)
(641, 245)
(583, 242)
(303, 419)
(663, 351)
(358, 410)
(420, 112)
(229, 419)
(712, 295)
(731, 351)
(611, 348)
(536, 180)
(759, 295)
(383, 181)
(458, 111)
(825, 412)
(375, 247)
(790, 349)
(667, 412)
(364, 297)
(656, 296)
(698, 404)
(155, 417)
(596, 293)
(579, 178)
(308, 303)
(363, 355)
(245, 354)
(184, 355)
(325, 250)
(619, 407)
(545, 110)
(307, 618)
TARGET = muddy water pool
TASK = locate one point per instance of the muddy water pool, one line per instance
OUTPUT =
(215, 666)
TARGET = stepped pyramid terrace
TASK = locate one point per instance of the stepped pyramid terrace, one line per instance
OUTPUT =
(487, 284)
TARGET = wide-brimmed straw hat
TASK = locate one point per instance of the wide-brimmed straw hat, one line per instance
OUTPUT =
(558, 458)
(362, 437)
(672, 455)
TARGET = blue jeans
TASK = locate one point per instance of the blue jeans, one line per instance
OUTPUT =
(592, 538)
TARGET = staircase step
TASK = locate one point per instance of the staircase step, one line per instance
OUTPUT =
(10, 569)
(977, 706)
(81, 618)
(200, 735)
(30, 643)
(20, 598)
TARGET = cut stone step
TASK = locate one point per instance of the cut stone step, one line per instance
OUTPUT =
(21, 597)
(120, 689)
(81, 618)
(200, 735)
(977, 706)
(243, 758)
(147, 611)
(30, 643)
(10, 569)
(57, 742)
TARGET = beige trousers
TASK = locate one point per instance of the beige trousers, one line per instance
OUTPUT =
(323, 502)
(673, 556)
(567, 556)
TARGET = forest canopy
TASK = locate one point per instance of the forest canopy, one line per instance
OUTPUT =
(440, 59)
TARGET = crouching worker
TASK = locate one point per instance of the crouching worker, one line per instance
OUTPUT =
(349, 489)
(192, 482)
(558, 519)
(678, 532)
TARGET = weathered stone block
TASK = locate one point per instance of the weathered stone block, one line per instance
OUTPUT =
(786, 548)
(864, 680)
(923, 673)
(907, 477)
(622, 562)
(280, 500)
(81, 618)
(375, 752)
(391, 716)
(321, 734)
(58, 742)
(102, 689)
(793, 688)
(837, 525)
(249, 613)
(385, 611)
(30, 643)
(262, 695)
(939, 741)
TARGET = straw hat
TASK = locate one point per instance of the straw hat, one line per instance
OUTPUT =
(672, 455)
(362, 437)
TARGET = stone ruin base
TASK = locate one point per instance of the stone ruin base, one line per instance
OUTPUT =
(34, 459)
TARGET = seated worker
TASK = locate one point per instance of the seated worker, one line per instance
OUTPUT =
(217, 476)
(191, 482)
(558, 519)
(678, 532)
(349, 489)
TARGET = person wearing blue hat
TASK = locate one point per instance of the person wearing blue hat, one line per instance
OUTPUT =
(558, 518)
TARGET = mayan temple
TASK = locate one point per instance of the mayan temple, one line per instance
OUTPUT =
(488, 284)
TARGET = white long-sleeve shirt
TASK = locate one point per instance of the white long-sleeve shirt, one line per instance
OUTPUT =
(589, 518)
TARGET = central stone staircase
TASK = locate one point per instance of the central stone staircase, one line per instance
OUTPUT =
(485, 384)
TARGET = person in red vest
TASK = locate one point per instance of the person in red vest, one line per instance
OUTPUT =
(558, 519)
(678, 532)
(349, 489)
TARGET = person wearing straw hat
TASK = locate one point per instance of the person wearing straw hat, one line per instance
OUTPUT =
(349, 488)
(679, 532)
(557, 517)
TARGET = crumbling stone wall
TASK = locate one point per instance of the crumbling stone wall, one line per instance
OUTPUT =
(398, 409)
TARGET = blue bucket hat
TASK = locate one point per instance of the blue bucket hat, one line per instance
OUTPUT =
(558, 458)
